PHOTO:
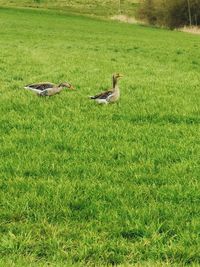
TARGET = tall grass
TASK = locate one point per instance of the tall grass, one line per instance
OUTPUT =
(103, 8)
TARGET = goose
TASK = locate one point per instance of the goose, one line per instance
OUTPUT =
(111, 95)
(47, 88)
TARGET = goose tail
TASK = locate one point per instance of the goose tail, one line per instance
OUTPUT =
(91, 97)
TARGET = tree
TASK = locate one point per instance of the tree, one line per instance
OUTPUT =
(189, 12)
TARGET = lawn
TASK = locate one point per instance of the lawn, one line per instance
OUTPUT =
(83, 184)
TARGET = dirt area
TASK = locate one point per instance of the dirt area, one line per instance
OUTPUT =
(125, 18)
(194, 29)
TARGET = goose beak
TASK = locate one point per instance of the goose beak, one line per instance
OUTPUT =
(72, 88)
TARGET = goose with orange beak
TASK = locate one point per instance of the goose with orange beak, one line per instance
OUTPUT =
(47, 88)
(109, 96)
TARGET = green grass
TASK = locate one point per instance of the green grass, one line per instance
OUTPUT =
(100, 8)
(98, 185)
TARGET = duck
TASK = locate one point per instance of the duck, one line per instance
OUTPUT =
(111, 95)
(48, 88)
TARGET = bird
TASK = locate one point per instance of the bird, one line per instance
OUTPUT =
(47, 88)
(109, 96)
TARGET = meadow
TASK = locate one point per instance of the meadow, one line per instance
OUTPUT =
(89, 185)
(101, 8)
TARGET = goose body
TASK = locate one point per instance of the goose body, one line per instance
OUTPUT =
(47, 88)
(109, 96)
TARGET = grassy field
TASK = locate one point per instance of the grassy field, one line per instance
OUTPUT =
(83, 184)
(103, 8)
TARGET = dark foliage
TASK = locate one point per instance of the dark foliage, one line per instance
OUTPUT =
(170, 13)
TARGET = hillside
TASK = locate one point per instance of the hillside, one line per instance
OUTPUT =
(95, 7)
(89, 185)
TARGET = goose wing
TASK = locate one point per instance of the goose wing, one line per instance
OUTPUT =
(39, 86)
(103, 95)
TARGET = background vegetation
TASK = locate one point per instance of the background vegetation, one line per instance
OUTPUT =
(170, 13)
(91, 185)
(92, 7)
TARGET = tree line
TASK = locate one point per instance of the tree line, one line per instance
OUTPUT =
(170, 13)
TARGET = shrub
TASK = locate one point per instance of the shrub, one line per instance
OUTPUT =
(170, 13)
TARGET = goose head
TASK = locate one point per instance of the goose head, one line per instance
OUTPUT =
(66, 85)
(117, 76)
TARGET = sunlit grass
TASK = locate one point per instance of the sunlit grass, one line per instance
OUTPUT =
(87, 184)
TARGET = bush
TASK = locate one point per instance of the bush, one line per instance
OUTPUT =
(170, 13)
